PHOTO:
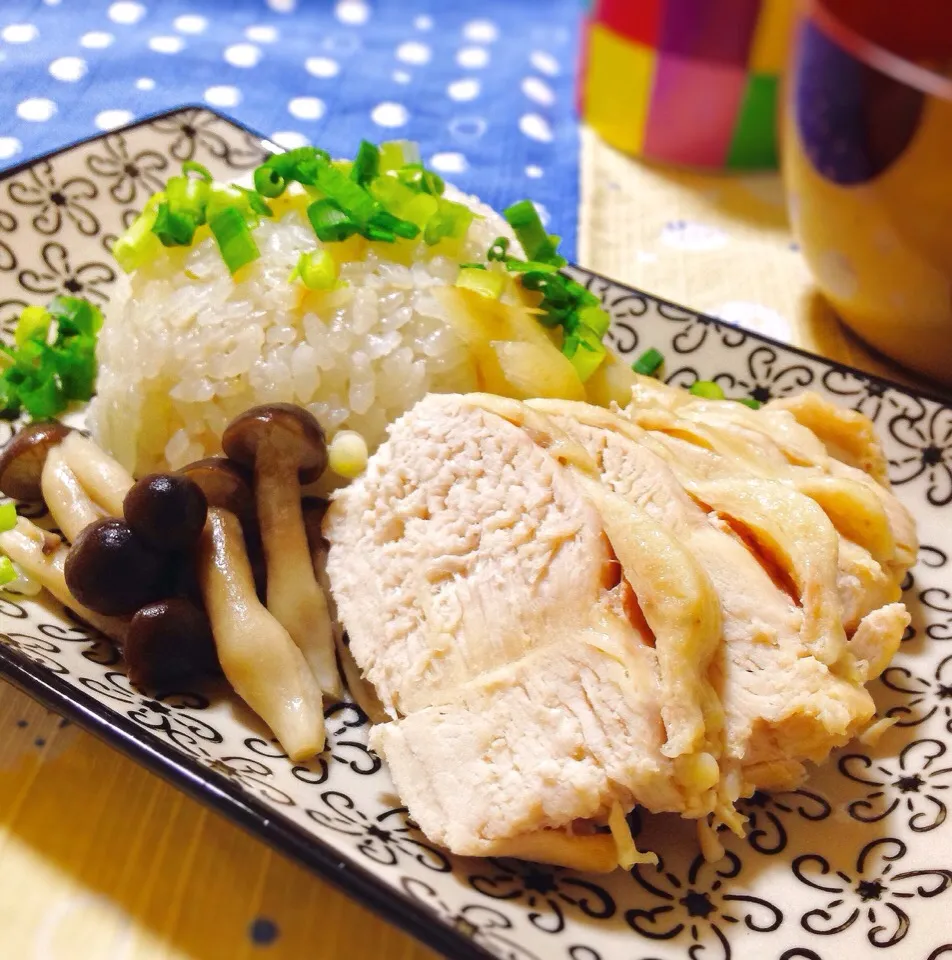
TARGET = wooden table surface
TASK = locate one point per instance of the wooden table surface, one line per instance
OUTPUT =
(101, 860)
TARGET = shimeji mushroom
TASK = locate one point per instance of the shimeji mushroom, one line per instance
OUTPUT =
(257, 655)
(110, 570)
(360, 689)
(42, 556)
(71, 507)
(100, 476)
(286, 447)
(22, 459)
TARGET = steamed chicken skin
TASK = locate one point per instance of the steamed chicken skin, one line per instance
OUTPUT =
(567, 611)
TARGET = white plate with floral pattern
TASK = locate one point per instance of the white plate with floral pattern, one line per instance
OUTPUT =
(856, 864)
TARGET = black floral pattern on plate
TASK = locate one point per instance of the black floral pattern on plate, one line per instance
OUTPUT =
(926, 441)
(8, 259)
(195, 131)
(56, 201)
(90, 280)
(546, 891)
(768, 377)
(768, 813)
(479, 923)
(132, 176)
(385, 838)
(916, 782)
(872, 894)
(700, 905)
(869, 397)
(170, 715)
(695, 329)
(928, 696)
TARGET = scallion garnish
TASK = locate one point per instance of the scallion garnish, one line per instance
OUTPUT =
(487, 283)
(317, 270)
(366, 164)
(8, 572)
(234, 237)
(8, 517)
(191, 166)
(45, 371)
(649, 363)
(499, 249)
(706, 390)
(526, 224)
(751, 402)
(330, 223)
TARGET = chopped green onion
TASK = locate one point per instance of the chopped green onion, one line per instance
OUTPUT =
(524, 220)
(317, 270)
(398, 153)
(499, 249)
(43, 400)
(750, 402)
(707, 390)
(450, 220)
(352, 198)
(394, 225)
(347, 454)
(8, 516)
(190, 166)
(487, 283)
(75, 316)
(234, 238)
(596, 319)
(366, 164)
(649, 363)
(586, 352)
(174, 229)
(330, 223)
(8, 572)
(34, 324)
(139, 245)
(256, 202)
(421, 180)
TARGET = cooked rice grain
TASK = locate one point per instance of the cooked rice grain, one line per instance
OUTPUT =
(185, 348)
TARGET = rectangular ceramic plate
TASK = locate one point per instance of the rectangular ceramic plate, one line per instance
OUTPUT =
(856, 864)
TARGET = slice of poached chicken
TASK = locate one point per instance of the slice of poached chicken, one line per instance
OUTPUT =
(484, 601)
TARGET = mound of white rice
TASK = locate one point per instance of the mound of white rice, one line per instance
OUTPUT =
(184, 348)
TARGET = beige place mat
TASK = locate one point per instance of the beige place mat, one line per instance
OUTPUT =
(715, 242)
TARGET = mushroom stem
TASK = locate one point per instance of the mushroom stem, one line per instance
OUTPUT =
(257, 655)
(100, 476)
(70, 505)
(24, 544)
(294, 596)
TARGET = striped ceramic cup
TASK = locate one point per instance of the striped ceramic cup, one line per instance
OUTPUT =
(687, 82)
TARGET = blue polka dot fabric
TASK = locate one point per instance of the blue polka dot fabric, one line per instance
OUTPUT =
(485, 86)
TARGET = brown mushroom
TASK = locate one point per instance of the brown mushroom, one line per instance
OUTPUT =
(71, 507)
(35, 551)
(258, 656)
(166, 511)
(226, 484)
(167, 642)
(361, 691)
(22, 459)
(286, 447)
(111, 571)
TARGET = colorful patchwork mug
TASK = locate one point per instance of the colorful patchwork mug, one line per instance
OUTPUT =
(687, 82)
(867, 151)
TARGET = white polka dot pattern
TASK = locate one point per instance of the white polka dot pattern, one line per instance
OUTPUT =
(472, 82)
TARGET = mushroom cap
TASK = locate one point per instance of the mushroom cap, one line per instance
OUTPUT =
(296, 431)
(167, 642)
(111, 571)
(166, 511)
(225, 484)
(22, 459)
